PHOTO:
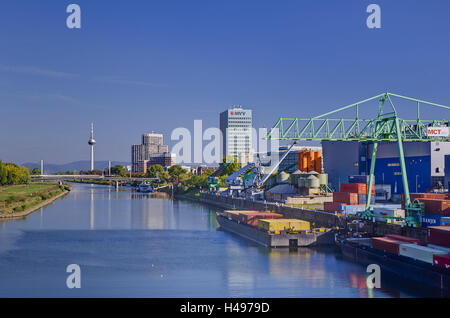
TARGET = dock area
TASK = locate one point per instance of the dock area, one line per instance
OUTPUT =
(316, 218)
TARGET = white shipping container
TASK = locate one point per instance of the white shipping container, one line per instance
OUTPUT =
(353, 209)
(438, 247)
(445, 221)
(398, 213)
(422, 253)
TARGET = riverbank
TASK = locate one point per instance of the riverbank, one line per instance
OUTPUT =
(21, 200)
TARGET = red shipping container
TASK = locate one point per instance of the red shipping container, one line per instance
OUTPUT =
(437, 196)
(241, 217)
(442, 260)
(233, 214)
(252, 218)
(404, 239)
(359, 188)
(436, 206)
(416, 195)
(439, 235)
(345, 197)
(332, 206)
(386, 244)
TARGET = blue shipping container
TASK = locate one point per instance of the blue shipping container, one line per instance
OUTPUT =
(431, 220)
(445, 221)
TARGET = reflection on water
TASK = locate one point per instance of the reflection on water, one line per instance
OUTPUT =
(131, 244)
(91, 210)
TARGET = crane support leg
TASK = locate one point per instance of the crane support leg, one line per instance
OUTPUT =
(402, 163)
(371, 177)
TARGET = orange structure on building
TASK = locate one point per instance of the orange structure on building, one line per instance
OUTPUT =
(310, 161)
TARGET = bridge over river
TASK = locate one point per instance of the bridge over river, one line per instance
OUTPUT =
(63, 177)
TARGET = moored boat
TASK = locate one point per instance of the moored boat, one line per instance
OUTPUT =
(278, 238)
(395, 263)
(144, 188)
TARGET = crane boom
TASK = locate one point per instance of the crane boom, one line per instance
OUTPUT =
(387, 126)
(275, 166)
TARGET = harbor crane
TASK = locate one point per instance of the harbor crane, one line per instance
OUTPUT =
(386, 126)
(251, 177)
(213, 180)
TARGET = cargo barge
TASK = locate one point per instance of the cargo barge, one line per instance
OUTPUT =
(276, 239)
(407, 269)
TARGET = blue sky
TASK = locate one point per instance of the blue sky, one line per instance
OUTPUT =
(141, 66)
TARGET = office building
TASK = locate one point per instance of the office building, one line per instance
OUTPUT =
(236, 127)
(141, 155)
(165, 159)
(137, 155)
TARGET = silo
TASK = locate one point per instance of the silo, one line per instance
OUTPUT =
(283, 177)
(313, 181)
(323, 179)
(295, 176)
(301, 182)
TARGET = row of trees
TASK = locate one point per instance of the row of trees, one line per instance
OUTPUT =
(185, 180)
(11, 173)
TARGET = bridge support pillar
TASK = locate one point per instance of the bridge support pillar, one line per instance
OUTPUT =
(117, 185)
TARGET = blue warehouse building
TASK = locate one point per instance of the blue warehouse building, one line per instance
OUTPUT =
(425, 163)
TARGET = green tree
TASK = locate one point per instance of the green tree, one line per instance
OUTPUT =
(16, 174)
(232, 167)
(176, 172)
(155, 171)
(222, 183)
(36, 171)
(119, 170)
(3, 177)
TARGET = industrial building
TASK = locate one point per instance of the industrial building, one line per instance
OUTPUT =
(152, 145)
(425, 162)
(290, 163)
(236, 127)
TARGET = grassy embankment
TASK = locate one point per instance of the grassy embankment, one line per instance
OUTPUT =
(17, 198)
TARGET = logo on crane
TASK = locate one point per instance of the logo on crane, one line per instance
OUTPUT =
(438, 131)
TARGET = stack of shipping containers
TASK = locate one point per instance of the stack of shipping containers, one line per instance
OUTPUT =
(436, 252)
(436, 207)
(351, 199)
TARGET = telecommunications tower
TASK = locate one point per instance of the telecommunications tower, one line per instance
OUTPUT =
(92, 142)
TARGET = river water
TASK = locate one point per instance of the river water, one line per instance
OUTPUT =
(129, 244)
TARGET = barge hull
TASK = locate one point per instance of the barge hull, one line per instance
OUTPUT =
(283, 239)
(403, 268)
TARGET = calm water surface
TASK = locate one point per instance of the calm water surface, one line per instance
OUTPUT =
(141, 245)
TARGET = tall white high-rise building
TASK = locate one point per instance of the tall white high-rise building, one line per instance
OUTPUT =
(236, 127)
(92, 142)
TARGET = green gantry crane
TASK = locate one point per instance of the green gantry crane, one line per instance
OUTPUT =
(386, 126)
